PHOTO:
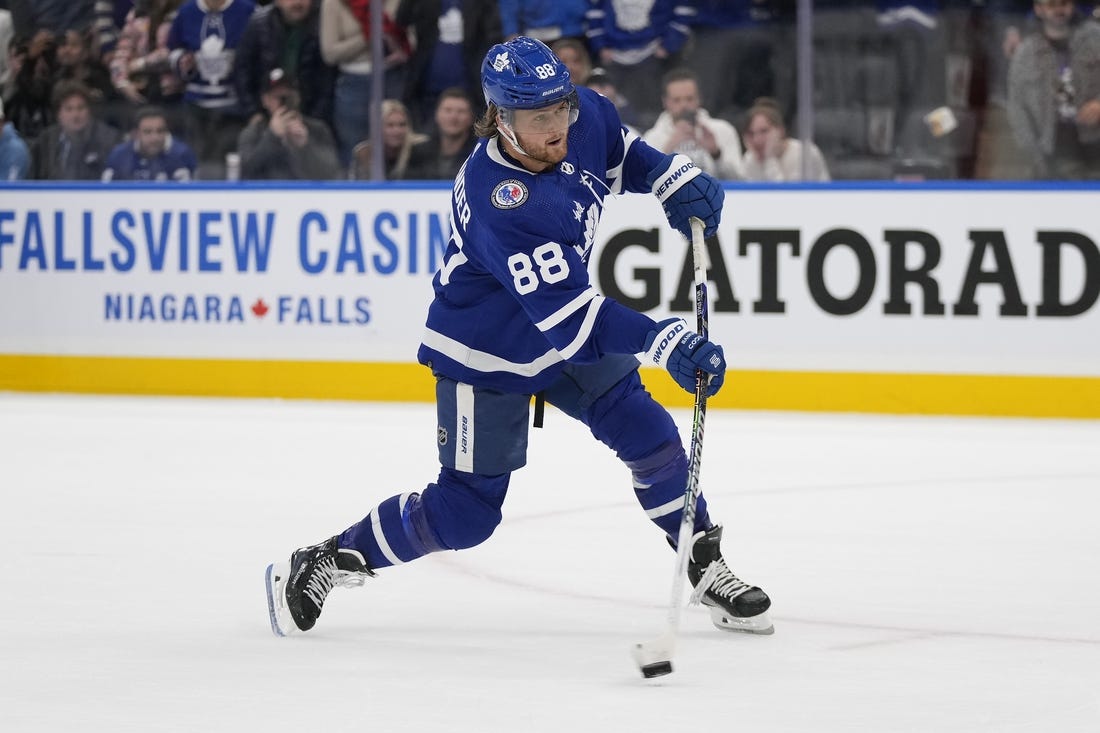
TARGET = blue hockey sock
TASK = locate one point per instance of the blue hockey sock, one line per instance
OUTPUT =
(459, 511)
(660, 480)
(382, 536)
(644, 436)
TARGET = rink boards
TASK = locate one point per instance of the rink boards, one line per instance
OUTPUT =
(924, 299)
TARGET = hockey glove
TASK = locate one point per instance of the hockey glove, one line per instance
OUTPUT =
(682, 351)
(685, 191)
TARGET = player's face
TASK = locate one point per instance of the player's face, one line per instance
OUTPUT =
(543, 133)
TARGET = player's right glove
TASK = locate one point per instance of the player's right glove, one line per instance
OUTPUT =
(686, 191)
(681, 351)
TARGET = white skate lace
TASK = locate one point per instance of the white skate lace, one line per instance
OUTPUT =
(720, 581)
(326, 576)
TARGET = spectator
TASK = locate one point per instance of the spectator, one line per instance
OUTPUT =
(202, 39)
(286, 35)
(109, 16)
(772, 156)
(546, 20)
(345, 43)
(140, 68)
(29, 101)
(452, 37)
(283, 144)
(686, 127)
(7, 30)
(398, 140)
(574, 54)
(635, 41)
(51, 16)
(76, 62)
(76, 148)
(1054, 94)
(443, 153)
(152, 154)
(600, 82)
(15, 156)
(736, 54)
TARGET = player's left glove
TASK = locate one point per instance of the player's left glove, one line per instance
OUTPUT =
(682, 351)
(686, 191)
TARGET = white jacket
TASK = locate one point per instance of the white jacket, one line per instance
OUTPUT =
(787, 167)
(726, 166)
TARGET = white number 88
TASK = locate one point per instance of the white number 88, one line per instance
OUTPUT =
(550, 261)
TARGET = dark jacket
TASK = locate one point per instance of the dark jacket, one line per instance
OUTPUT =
(260, 51)
(427, 163)
(480, 30)
(86, 156)
(264, 157)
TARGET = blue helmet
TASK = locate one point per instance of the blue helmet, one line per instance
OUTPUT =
(524, 74)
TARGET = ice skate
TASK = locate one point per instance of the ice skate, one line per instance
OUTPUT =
(296, 590)
(733, 604)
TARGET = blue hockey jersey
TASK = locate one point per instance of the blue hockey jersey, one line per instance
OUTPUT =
(513, 302)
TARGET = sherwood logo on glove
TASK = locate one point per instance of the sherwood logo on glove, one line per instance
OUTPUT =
(662, 348)
(680, 172)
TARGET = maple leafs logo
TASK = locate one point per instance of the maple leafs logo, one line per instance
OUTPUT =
(591, 221)
(260, 308)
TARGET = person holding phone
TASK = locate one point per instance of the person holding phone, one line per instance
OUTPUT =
(685, 127)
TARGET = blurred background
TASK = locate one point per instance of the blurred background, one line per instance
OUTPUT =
(771, 90)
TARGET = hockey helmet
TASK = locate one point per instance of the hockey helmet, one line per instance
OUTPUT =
(525, 74)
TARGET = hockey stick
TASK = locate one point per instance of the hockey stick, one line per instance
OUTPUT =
(654, 658)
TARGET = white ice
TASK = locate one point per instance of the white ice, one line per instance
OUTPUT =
(927, 575)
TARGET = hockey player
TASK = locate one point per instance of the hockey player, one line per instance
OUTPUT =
(515, 315)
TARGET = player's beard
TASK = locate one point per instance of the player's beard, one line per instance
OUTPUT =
(539, 149)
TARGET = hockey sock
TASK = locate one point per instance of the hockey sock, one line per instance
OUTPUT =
(659, 483)
(459, 511)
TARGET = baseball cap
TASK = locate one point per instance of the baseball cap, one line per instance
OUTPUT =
(277, 79)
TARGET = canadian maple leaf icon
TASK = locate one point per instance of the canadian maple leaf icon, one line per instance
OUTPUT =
(260, 308)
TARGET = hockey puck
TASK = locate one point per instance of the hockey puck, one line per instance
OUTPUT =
(656, 669)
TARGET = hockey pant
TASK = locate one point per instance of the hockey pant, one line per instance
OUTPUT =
(483, 438)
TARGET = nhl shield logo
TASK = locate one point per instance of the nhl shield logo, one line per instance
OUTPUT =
(442, 435)
(509, 194)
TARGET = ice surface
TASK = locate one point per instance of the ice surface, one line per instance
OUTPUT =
(927, 575)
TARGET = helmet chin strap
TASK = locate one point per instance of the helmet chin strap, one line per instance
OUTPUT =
(510, 136)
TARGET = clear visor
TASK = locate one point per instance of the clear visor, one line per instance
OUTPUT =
(554, 118)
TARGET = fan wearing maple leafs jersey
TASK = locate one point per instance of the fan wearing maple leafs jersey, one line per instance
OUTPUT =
(514, 314)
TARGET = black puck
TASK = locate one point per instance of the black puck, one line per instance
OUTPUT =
(656, 669)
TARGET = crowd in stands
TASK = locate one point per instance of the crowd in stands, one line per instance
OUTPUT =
(179, 90)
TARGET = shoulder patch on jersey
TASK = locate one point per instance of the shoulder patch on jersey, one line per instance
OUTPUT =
(509, 194)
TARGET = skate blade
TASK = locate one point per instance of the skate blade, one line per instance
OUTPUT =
(760, 624)
(282, 623)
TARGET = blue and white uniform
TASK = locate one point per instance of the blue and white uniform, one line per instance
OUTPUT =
(513, 300)
(515, 314)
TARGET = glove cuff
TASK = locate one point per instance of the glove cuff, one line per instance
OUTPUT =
(661, 343)
(680, 170)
